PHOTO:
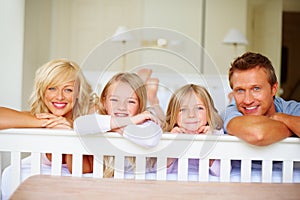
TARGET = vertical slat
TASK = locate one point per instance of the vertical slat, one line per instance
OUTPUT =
(204, 169)
(119, 167)
(183, 169)
(287, 171)
(77, 165)
(98, 166)
(161, 170)
(15, 171)
(35, 158)
(245, 170)
(266, 171)
(140, 171)
(225, 168)
(56, 164)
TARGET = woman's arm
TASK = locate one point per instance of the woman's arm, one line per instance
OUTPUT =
(10, 118)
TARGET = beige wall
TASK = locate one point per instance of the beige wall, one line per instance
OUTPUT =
(264, 29)
(221, 16)
(72, 28)
(37, 42)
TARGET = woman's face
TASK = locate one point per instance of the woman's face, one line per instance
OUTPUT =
(192, 113)
(60, 99)
(121, 100)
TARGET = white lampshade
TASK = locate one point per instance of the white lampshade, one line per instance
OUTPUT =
(235, 37)
(122, 34)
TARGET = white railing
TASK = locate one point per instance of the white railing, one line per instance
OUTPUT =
(182, 146)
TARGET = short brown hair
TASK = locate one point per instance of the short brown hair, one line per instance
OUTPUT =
(250, 60)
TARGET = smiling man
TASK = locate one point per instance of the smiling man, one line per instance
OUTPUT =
(256, 115)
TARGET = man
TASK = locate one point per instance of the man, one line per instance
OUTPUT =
(256, 115)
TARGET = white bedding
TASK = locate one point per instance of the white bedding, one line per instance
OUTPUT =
(192, 176)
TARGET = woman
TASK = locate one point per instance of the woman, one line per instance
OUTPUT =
(60, 94)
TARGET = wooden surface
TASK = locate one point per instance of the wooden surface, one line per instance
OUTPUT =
(62, 187)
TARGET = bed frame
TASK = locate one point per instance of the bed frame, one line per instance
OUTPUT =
(181, 146)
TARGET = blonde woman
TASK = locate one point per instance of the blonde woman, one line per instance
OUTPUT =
(191, 110)
(60, 94)
(122, 105)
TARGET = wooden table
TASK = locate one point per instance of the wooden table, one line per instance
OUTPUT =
(62, 187)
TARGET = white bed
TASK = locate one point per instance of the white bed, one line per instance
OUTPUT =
(226, 148)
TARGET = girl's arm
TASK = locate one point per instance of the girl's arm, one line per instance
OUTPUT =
(121, 122)
(95, 123)
(10, 118)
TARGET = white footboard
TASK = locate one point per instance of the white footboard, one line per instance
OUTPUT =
(184, 147)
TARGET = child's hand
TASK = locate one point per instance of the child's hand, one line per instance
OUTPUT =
(53, 121)
(176, 129)
(144, 116)
(203, 129)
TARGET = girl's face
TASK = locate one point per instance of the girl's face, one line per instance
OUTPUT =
(192, 113)
(59, 99)
(121, 100)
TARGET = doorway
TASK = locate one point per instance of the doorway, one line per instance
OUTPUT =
(290, 67)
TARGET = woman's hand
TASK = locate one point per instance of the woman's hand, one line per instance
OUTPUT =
(53, 121)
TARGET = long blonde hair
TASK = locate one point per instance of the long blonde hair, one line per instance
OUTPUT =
(137, 84)
(213, 118)
(57, 72)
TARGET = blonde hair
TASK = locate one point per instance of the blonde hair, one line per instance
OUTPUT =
(57, 72)
(137, 84)
(214, 120)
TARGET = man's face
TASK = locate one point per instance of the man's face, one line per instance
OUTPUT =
(252, 92)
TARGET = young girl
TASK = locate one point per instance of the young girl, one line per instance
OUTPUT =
(122, 104)
(191, 110)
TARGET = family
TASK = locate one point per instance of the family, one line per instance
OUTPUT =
(62, 98)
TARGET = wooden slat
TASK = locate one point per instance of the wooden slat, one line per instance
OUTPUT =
(183, 169)
(119, 167)
(56, 164)
(35, 158)
(204, 169)
(245, 170)
(266, 171)
(225, 169)
(287, 171)
(15, 170)
(140, 171)
(98, 166)
(161, 171)
(77, 165)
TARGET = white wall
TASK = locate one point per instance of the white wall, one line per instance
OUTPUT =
(11, 58)
(11, 52)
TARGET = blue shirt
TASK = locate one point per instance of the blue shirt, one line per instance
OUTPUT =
(288, 107)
